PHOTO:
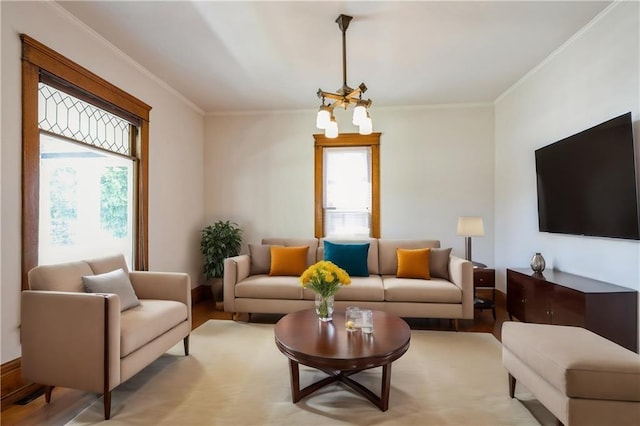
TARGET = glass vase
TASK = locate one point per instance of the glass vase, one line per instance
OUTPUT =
(324, 307)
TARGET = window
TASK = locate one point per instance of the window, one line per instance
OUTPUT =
(347, 192)
(86, 202)
(85, 167)
(86, 180)
(347, 186)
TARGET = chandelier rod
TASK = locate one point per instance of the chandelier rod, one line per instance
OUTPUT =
(343, 24)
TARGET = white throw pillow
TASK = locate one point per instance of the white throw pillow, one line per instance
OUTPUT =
(115, 282)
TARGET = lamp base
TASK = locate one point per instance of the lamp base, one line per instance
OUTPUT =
(467, 248)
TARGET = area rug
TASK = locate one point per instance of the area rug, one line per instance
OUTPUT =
(235, 375)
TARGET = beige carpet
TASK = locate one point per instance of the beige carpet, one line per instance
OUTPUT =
(235, 375)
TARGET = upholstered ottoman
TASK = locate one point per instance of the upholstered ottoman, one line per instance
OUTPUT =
(582, 378)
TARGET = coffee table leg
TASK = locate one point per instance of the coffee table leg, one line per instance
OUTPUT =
(386, 387)
(295, 380)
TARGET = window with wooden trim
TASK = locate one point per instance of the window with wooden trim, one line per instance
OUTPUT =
(85, 164)
(347, 186)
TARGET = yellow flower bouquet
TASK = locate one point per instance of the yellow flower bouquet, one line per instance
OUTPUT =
(325, 279)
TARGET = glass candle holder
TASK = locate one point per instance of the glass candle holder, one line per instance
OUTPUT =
(352, 318)
(367, 321)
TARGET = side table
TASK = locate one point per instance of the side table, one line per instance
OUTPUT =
(484, 278)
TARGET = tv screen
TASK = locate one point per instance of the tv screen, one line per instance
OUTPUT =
(587, 183)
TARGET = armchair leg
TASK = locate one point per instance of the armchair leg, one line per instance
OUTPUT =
(107, 405)
(47, 393)
(186, 345)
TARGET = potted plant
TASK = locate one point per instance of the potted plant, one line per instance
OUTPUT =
(219, 241)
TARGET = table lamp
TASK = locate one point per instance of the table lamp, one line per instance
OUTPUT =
(469, 226)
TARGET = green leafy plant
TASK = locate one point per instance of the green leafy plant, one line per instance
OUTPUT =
(219, 241)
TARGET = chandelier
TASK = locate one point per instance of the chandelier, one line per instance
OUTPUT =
(344, 96)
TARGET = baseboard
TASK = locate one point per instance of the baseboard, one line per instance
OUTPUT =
(12, 387)
(200, 293)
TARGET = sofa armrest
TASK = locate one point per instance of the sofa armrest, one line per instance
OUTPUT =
(163, 286)
(63, 339)
(236, 269)
(461, 274)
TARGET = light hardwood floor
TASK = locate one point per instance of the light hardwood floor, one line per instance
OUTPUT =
(67, 403)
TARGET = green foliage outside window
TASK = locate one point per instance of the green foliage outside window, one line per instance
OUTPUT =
(64, 209)
(114, 201)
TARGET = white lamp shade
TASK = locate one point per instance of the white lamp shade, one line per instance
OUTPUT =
(470, 226)
(366, 127)
(331, 131)
(323, 118)
(359, 115)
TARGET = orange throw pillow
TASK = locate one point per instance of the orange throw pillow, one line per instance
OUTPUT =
(413, 263)
(288, 260)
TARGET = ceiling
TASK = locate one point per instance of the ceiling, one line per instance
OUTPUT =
(264, 55)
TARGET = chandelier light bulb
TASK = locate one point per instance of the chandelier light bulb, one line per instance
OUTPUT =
(366, 127)
(323, 118)
(359, 115)
(331, 131)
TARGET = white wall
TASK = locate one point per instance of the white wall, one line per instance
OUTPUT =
(436, 165)
(593, 78)
(176, 143)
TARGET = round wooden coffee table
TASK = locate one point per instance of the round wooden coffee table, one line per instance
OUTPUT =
(329, 347)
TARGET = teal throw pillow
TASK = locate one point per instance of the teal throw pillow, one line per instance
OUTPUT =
(351, 257)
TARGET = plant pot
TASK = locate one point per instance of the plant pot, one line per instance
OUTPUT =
(217, 290)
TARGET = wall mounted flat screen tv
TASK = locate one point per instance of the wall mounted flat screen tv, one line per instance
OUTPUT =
(588, 183)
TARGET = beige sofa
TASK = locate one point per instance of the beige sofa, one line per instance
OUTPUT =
(82, 340)
(247, 292)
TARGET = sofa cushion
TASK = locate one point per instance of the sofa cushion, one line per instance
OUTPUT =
(388, 259)
(101, 265)
(60, 277)
(439, 263)
(151, 319)
(260, 255)
(288, 260)
(372, 256)
(267, 287)
(435, 290)
(368, 289)
(116, 282)
(413, 263)
(352, 257)
(576, 361)
(312, 243)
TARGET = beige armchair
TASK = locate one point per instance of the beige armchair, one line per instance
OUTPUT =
(72, 338)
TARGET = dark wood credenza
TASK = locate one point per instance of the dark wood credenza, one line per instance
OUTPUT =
(555, 297)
